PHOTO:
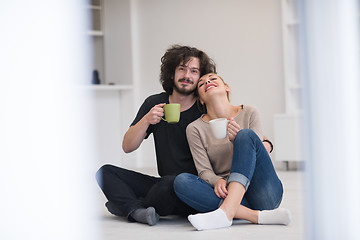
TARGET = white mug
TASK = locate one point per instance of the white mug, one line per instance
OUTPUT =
(219, 127)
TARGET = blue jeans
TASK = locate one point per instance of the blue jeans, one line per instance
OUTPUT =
(251, 166)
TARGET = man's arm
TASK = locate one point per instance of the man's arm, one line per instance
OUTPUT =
(136, 133)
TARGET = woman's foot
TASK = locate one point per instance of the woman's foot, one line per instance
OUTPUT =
(276, 216)
(210, 220)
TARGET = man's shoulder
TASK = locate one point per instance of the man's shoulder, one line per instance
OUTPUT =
(162, 97)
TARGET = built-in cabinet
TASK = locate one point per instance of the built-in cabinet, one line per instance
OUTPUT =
(110, 35)
(287, 126)
(95, 11)
(114, 97)
(290, 36)
(96, 34)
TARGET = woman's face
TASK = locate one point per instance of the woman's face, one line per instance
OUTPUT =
(211, 84)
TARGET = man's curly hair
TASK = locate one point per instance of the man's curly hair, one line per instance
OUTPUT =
(177, 54)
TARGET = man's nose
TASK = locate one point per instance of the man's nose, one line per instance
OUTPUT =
(187, 73)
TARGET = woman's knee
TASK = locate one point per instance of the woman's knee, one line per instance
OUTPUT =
(245, 133)
(183, 181)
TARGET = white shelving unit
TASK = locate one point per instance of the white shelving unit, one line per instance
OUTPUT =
(110, 87)
(110, 35)
(96, 34)
(95, 8)
(287, 126)
(112, 57)
(290, 31)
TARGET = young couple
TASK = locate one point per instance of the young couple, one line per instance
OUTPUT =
(236, 175)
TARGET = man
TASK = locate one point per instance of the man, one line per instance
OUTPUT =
(140, 197)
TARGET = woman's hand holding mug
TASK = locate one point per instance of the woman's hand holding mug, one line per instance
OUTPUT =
(233, 129)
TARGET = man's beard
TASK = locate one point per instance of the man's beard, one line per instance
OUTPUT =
(184, 90)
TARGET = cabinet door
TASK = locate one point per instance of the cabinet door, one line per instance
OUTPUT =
(288, 137)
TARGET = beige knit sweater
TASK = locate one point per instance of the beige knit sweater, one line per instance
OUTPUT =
(212, 156)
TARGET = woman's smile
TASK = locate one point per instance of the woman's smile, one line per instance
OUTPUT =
(210, 85)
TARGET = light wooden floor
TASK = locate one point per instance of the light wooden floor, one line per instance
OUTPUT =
(173, 228)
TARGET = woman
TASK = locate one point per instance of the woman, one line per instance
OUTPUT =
(236, 175)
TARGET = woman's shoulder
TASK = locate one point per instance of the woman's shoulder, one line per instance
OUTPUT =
(250, 109)
(197, 124)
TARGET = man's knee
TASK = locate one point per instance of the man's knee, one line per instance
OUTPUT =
(167, 181)
(105, 169)
(162, 197)
(164, 186)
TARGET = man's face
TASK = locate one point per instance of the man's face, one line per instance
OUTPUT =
(187, 76)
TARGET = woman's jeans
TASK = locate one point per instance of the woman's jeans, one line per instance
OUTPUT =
(251, 166)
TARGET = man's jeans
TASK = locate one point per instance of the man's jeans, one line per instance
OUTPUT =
(128, 190)
(251, 166)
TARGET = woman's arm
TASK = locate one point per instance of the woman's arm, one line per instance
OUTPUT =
(255, 123)
(199, 154)
(268, 144)
(256, 126)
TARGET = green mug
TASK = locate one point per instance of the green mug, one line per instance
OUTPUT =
(172, 112)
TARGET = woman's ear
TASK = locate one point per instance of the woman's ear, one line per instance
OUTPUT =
(227, 88)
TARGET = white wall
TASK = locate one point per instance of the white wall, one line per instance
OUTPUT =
(243, 37)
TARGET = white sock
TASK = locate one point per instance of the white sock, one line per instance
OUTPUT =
(210, 220)
(276, 216)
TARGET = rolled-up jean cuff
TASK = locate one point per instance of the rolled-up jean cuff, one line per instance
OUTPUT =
(238, 177)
